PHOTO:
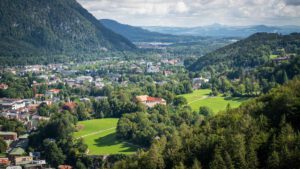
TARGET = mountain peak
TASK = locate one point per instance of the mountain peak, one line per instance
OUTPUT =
(53, 27)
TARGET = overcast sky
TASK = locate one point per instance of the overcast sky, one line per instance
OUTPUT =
(189, 13)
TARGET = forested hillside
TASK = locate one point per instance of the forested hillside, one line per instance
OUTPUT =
(57, 27)
(248, 53)
(263, 133)
(252, 66)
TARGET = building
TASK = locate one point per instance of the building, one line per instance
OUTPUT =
(8, 136)
(151, 68)
(280, 59)
(64, 167)
(84, 79)
(3, 86)
(21, 160)
(150, 101)
(4, 162)
(12, 104)
(198, 82)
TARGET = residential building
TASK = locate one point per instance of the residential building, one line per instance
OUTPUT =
(150, 101)
(3, 86)
(8, 136)
(4, 161)
(198, 82)
(21, 160)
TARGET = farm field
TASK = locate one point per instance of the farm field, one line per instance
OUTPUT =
(100, 136)
(218, 103)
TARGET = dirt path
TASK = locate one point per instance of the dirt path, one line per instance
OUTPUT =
(97, 132)
(202, 98)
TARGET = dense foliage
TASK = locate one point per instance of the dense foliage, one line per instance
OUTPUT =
(12, 125)
(263, 133)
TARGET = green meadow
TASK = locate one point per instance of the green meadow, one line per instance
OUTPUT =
(100, 136)
(217, 103)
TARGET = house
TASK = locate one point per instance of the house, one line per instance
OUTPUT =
(69, 106)
(150, 101)
(83, 79)
(280, 59)
(52, 92)
(64, 167)
(11, 104)
(21, 160)
(151, 68)
(198, 82)
(4, 162)
(8, 136)
(3, 86)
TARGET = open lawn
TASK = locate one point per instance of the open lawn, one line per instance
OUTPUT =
(273, 56)
(100, 136)
(201, 98)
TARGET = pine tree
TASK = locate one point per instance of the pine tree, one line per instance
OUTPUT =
(273, 160)
(228, 161)
(196, 164)
(251, 157)
(218, 161)
(284, 77)
(179, 166)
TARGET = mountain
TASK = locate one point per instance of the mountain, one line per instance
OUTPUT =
(248, 53)
(131, 32)
(41, 27)
(138, 34)
(225, 31)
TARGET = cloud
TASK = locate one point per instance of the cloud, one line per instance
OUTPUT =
(196, 12)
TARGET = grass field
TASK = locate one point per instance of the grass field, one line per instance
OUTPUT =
(201, 98)
(100, 136)
(273, 56)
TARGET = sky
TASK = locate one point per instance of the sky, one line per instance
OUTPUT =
(190, 13)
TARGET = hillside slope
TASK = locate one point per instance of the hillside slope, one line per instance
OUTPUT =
(35, 27)
(248, 53)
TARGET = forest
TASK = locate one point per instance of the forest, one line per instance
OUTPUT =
(262, 133)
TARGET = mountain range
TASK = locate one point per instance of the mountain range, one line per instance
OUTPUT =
(139, 34)
(217, 30)
(41, 27)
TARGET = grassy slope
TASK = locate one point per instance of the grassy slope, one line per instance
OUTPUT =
(100, 136)
(201, 98)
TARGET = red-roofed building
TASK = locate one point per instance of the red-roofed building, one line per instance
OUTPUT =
(54, 91)
(69, 106)
(4, 161)
(3, 86)
(64, 167)
(151, 101)
(39, 95)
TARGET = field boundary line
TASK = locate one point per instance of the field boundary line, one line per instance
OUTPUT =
(202, 98)
(97, 132)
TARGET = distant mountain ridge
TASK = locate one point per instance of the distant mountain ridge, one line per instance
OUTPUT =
(34, 27)
(139, 34)
(224, 31)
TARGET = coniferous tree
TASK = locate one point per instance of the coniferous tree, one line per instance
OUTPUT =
(196, 164)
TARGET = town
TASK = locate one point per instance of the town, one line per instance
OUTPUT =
(63, 87)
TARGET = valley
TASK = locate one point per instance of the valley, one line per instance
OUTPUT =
(78, 91)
